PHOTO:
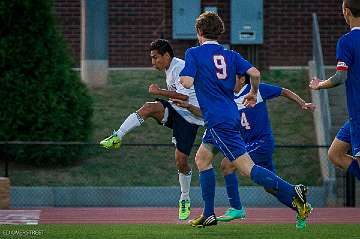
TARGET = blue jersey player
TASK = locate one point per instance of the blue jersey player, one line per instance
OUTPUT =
(212, 70)
(259, 141)
(348, 71)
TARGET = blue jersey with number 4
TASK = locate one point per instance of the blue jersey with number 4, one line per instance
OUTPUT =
(214, 70)
(255, 122)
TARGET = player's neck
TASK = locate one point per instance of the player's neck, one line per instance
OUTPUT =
(169, 63)
(202, 40)
(354, 22)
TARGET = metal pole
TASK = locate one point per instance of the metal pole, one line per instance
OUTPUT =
(349, 190)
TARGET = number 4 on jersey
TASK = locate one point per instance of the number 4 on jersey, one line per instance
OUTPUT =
(244, 121)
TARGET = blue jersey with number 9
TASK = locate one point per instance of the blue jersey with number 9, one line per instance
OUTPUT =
(214, 70)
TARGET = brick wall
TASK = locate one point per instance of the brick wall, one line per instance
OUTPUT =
(133, 24)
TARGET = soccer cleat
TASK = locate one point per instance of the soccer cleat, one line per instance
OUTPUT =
(113, 141)
(232, 214)
(184, 209)
(299, 202)
(201, 221)
(301, 222)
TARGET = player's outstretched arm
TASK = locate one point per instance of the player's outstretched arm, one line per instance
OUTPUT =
(297, 99)
(337, 79)
(154, 89)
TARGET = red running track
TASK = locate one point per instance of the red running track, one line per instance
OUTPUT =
(167, 216)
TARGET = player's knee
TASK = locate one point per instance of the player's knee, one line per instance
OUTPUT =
(148, 109)
(182, 164)
(201, 163)
(226, 167)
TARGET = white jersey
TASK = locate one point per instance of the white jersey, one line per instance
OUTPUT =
(173, 84)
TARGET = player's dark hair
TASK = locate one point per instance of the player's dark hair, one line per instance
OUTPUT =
(247, 78)
(162, 46)
(354, 6)
(210, 25)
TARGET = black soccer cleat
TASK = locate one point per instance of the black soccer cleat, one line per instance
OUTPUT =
(201, 221)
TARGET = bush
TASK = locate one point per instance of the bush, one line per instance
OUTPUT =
(42, 98)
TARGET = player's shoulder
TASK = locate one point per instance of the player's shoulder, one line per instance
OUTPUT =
(176, 65)
(192, 49)
(178, 61)
(348, 37)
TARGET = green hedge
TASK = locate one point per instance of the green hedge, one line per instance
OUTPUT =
(41, 97)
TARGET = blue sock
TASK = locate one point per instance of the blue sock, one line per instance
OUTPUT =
(283, 197)
(354, 169)
(282, 189)
(232, 190)
(207, 183)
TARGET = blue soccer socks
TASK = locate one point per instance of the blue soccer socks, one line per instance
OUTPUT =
(207, 182)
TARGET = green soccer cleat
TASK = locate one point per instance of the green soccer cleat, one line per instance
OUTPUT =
(232, 214)
(184, 209)
(113, 141)
(301, 222)
(202, 221)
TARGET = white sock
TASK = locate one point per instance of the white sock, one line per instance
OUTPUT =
(185, 180)
(132, 121)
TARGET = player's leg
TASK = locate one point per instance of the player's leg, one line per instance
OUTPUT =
(154, 110)
(203, 160)
(184, 134)
(340, 147)
(338, 154)
(236, 210)
(294, 195)
(231, 144)
(185, 175)
(354, 167)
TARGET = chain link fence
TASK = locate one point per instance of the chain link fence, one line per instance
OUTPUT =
(145, 175)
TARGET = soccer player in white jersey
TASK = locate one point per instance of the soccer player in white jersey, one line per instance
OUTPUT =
(183, 123)
(348, 71)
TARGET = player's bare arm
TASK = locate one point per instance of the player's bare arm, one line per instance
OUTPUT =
(250, 98)
(187, 81)
(297, 99)
(337, 79)
(154, 89)
(192, 108)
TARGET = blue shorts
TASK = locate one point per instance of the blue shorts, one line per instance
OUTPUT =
(227, 141)
(355, 136)
(261, 152)
(344, 133)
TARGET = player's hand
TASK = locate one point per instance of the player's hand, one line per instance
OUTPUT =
(154, 89)
(309, 106)
(181, 103)
(250, 99)
(315, 83)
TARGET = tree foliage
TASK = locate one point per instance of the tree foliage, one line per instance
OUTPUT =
(41, 97)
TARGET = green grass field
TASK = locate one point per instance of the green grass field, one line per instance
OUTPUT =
(257, 231)
(125, 93)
